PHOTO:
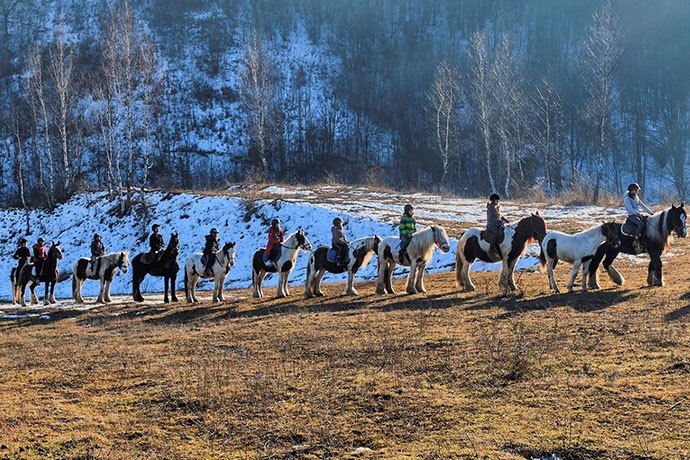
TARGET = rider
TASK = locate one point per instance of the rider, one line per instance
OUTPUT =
(495, 222)
(408, 225)
(39, 256)
(635, 208)
(22, 254)
(97, 249)
(156, 242)
(210, 249)
(339, 242)
(276, 237)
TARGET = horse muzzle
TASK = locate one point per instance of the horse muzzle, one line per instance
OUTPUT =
(445, 247)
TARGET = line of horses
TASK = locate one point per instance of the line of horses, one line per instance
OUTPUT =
(585, 250)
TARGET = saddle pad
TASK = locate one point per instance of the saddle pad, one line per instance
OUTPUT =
(499, 240)
(332, 254)
(629, 229)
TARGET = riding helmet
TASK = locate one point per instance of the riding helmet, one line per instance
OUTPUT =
(337, 221)
(40, 240)
(409, 207)
(96, 235)
(275, 222)
(154, 226)
(21, 241)
(495, 196)
(634, 186)
(214, 230)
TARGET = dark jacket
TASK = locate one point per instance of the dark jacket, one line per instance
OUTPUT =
(22, 254)
(211, 246)
(156, 242)
(494, 219)
(338, 237)
(97, 248)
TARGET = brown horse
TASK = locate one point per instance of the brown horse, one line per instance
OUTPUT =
(49, 276)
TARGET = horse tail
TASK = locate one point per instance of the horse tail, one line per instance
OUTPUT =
(74, 285)
(186, 283)
(542, 259)
(458, 263)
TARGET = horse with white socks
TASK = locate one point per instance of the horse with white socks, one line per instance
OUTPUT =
(103, 269)
(420, 250)
(194, 270)
(285, 263)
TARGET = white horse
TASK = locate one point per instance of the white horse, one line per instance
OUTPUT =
(194, 270)
(471, 246)
(578, 249)
(419, 251)
(360, 252)
(104, 269)
(286, 262)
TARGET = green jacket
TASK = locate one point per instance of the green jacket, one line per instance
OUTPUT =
(408, 225)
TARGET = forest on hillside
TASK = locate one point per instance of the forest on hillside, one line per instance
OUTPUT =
(463, 96)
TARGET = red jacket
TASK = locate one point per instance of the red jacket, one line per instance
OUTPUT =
(274, 237)
(39, 252)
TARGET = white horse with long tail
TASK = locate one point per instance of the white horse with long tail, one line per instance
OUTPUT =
(578, 249)
(420, 250)
(285, 263)
(194, 269)
(103, 269)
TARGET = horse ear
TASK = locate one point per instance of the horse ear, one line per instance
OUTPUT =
(536, 213)
(681, 205)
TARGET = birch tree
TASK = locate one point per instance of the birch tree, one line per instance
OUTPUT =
(442, 100)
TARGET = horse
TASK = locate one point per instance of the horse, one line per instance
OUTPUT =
(471, 247)
(656, 234)
(286, 262)
(360, 252)
(576, 249)
(49, 276)
(103, 269)
(164, 265)
(419, 251)
(194, 269)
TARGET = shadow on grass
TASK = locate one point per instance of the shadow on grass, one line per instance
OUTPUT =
(677, 314)
(579, 301)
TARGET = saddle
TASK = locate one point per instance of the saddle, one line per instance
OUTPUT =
(332, 257)
(279, 252)
(204, 258)
(630, 229)
(151, 257)
(487, 234)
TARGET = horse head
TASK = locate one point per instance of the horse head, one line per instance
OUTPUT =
(174, 243)
(229, 251)
(677, 216)
(441, 238)
(537, 226)
(123, 261)
(610, 231)
(302, 241)
(55, 250)
(377, 241)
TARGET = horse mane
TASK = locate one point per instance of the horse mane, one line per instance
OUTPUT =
(370, 252)
(424, 239)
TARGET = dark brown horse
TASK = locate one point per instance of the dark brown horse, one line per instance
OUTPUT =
(49, 276)
(165, 265)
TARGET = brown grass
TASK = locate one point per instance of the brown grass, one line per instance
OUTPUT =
(437, 376)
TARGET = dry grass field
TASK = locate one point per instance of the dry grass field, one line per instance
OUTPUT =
(445, 375)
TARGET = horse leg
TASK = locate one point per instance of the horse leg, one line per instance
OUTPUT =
(286, 287)
(585, 274)
(106, 296)
(503, 276)
(317, 283)
(389, 278)
(281, 292)
(101, 289)
(308, 284)
(23, 294)
(381, 281)
(419, 284)
(351, 284)
(465, 274)
(221, 285)
(173, 282)
(573, 275)
(255, 284)
(215, 288)
(614, 274)
(52, 292)
(195, 281)
(511, 274)
(46, 295)
(654, 275)
(550, 266)
(34, 297)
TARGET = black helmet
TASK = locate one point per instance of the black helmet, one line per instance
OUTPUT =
(214, 230)
(409, 207)
(495, 196)
(41, 240)
(155, 226)
(96, 235)
(634, 186)
(275, 222)
(337, 221)
(21, 241)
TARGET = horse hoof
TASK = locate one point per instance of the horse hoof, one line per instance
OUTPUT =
(320, 294)
(166, 300)
(174, 299)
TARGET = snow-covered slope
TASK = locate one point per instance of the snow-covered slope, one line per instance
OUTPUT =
(242, 215)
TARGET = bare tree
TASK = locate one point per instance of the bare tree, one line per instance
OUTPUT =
(603, 53)
(547, 133)
(257, 91)
(442, 100)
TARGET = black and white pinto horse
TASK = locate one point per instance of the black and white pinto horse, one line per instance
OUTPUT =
(656, 234)
(194, 270)
(49, 276)
(164, 265)
(419, 251)
(104, 269)
(516, 238)
(286, 262)
(360, 253)
(575, 249)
